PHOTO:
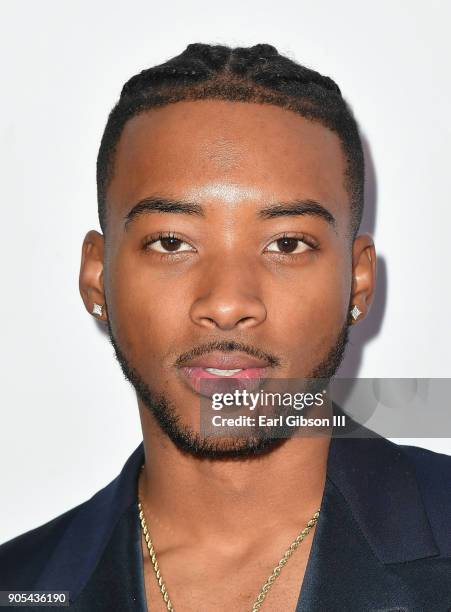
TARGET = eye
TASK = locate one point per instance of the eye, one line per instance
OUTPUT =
(166, 243)
(292, 245)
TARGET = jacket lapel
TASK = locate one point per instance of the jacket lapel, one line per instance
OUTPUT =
(372, 518)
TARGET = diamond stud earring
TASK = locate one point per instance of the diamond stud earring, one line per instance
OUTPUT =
(97, 309)
(355, 312)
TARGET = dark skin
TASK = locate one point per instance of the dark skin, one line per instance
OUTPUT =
(219, 527)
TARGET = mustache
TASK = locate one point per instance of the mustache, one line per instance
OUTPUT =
(226, 346)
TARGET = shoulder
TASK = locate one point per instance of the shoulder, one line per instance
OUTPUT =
(425, 456)
(23, 558)
(432, 469)
(433, 475)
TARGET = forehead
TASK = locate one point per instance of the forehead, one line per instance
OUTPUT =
(181, 149)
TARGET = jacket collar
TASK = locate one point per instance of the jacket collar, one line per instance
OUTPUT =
(372, 474)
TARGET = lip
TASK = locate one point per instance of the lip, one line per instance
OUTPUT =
(206, 383)
(227, 361)
(253, 373)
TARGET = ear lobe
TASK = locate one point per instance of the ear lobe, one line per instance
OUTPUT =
(363, 274)
(91, 274)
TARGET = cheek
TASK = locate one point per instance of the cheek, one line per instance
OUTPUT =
(314, 307)
(144, 310)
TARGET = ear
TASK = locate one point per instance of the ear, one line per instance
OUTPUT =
(363, 275)
(91, 274)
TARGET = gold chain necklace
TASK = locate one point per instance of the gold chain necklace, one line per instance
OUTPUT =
(265, 588)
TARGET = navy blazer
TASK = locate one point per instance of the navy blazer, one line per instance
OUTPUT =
(382, 542)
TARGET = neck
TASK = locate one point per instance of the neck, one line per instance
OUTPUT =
(238, 500)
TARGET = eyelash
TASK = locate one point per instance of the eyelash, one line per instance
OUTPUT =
(156, 237)
(308, 240)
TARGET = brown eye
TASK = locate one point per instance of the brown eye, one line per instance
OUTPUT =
(170, 244)
(166, 244)
(287, 245)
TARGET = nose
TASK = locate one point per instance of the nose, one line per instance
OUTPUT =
(228, 298)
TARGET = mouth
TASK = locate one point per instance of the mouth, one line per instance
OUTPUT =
(224, 371)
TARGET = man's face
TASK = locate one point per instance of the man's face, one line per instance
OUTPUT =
(277, 286)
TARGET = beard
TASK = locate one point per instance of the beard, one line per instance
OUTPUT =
(189, 441)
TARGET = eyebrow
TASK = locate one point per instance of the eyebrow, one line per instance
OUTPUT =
(298, 208)
(162, 205)
(293, 208)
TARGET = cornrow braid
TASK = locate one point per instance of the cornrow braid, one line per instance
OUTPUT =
(258, 74)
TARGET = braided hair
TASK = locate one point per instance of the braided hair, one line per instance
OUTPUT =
(256, 74)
